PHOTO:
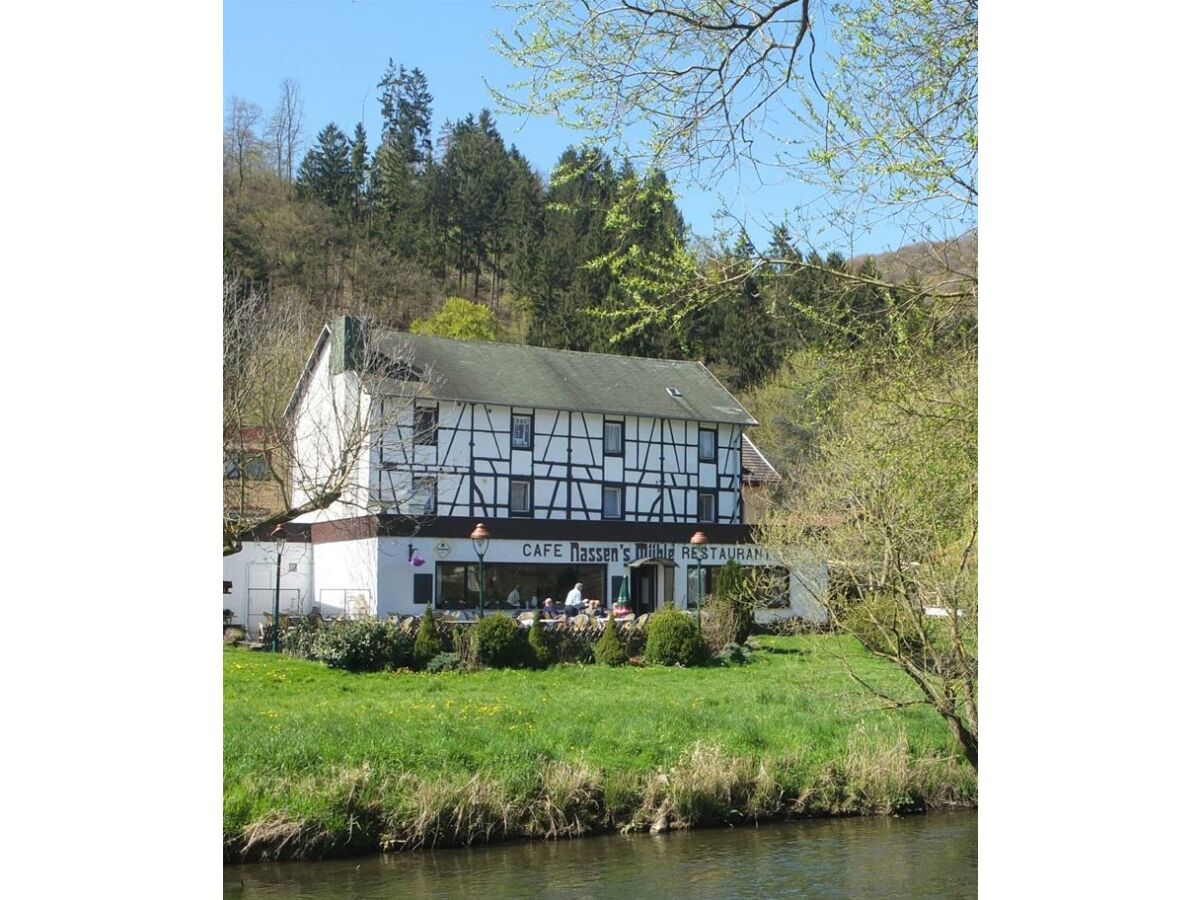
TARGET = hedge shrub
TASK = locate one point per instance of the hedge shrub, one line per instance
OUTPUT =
(445, 662)
(672, 639)
(497, 641)
(363, 645)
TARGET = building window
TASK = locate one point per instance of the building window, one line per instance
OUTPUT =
(522, 432)
(708, 507)
(708, 445)
(425, 423)
(708, 583)
(247, 467)
(614, 438)
(457, 585)
(612, 502)
(520, 498)
(424, 496)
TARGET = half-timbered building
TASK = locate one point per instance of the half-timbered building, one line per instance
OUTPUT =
(585, 468)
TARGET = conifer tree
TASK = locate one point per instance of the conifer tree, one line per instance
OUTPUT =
(325, 172)
(358, 170)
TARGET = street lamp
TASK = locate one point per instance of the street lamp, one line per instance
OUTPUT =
(699, 542)
(280, 535)
(480, 537)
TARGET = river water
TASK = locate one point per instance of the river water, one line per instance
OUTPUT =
(921, 856)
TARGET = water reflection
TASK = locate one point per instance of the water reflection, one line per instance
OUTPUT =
(923, 856)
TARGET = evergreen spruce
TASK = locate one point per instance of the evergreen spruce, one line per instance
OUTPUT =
(428, 643)
(609, 651)
(325, 172)
(541, 647)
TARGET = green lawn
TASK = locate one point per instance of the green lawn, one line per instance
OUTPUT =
(325, 751)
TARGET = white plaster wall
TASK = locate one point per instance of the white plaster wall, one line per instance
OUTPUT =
(254, 567)
(809, 588)
(344, 571)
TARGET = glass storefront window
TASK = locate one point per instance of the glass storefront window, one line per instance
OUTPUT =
(769, 583)
(708, 583)
(458, 584)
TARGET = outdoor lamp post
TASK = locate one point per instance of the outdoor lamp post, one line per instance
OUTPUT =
(280, 536)
(699, 542)
(480, 537)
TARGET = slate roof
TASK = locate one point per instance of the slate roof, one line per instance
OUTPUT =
(755, 467)
(524, 376)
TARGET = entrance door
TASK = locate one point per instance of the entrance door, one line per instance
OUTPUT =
(644, 592)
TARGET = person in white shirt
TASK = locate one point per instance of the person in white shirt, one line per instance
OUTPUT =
(514, 599)
(574, 601)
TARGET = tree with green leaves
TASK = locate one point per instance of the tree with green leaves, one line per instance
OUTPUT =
(646, 254)
(874, 100)
(462, 319)
(889, 494)
(874, 103)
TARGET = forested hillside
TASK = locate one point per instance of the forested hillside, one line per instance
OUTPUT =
(392, 225)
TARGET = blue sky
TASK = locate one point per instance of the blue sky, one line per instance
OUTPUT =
(337, 52)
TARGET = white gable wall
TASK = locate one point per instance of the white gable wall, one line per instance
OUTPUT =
(332, 424)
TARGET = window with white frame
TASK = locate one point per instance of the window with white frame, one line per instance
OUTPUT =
(522, 432)
(520, 498)
(707, 511)
(708, 445)
(614, 438)
(612, 502)
(424, 495)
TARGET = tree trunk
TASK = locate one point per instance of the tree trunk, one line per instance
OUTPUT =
(966, 739)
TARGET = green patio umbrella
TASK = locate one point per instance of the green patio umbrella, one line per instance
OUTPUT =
(623, 594)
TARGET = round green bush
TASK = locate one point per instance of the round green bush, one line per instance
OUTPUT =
(609, 651)
(672, 639)
(358, 645)
(497, 641)
(445, 662)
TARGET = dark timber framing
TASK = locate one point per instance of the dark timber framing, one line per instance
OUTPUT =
(659, 470)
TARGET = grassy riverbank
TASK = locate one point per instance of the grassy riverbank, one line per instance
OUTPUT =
(321, 762)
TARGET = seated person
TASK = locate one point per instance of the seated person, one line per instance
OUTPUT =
(548, 609)
(514, 598)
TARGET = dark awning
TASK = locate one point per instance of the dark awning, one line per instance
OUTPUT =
(669, 563)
